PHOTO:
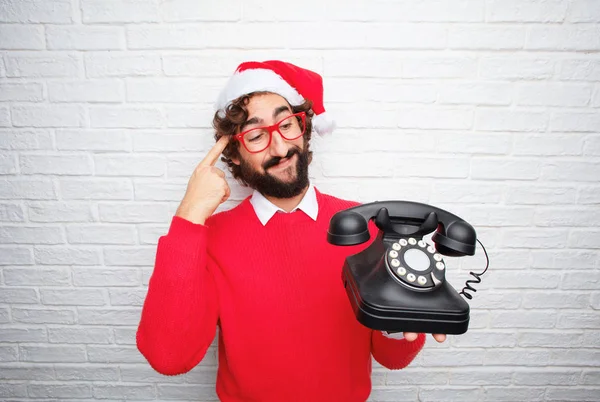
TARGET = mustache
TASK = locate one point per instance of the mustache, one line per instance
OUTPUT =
(275, 160)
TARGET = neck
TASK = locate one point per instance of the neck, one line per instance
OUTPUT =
(287, 204)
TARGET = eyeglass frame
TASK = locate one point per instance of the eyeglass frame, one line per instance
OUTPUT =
(270, 129)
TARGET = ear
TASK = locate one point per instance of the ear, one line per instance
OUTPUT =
(236, 161)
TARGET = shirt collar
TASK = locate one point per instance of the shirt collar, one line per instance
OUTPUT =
(265, 209)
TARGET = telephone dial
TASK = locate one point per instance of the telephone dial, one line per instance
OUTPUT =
(398, 282)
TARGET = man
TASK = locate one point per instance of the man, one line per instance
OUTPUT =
(263, 271)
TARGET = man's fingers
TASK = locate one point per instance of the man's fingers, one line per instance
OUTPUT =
(213, 155)
(439, 337)
(410, 336)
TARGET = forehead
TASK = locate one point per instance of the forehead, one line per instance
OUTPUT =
(264, 104)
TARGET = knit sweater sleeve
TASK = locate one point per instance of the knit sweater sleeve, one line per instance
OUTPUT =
(181, 310)
(395, 354)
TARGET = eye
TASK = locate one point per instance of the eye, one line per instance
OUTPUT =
(255, 136)
(286, 126)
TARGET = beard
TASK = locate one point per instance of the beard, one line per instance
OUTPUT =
(269, 185)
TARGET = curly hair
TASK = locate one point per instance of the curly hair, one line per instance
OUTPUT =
(236, 114)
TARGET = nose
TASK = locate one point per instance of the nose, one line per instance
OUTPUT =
(279, 146)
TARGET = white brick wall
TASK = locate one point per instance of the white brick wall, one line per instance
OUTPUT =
(489, 108)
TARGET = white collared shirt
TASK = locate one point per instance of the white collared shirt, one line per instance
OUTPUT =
(265, 209)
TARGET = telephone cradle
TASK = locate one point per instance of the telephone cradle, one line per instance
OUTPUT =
(397, 284)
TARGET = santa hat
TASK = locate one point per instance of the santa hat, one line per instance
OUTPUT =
(293, 83)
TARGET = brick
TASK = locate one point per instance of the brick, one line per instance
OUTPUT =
(563, 37)
(59, 390)
(228, 10)
(438, 67)
(485, 339)
(31, 235)
(484, 376)
(116, 11)
(526, 280)
(105, 277)
(570, 394)
(53, 354)
(75, 165)
(146, 37)
(475, 94)
(43, 316)
(434, 118)
(486, 37)
(580, 70)
(548, 144)
(125, 117)
(578, 171)
(73, 297)
(508, 120)
(102, 90)
(48, 116)
(131, 256)
(125, 336)
(445, 358)
(66, 372)
(41, 65)
(96, 189)
(53, 255)
(588, 195)
(561, 217)
(23, 276)
(513, 394)
(189, 117)
(148, 235)
(25, 139)
(80, 37)
(135, 373)
(564, 259)
(575, 357)
(595, 301)
(70, 212)
(121, 64)
(583, 11)
(16, 256)
(31, 11)
(13, 390)
(578, 320)
(542, 238)
(554, 94)
(117, 165)
(591, 146)
(423, 11)
(348, 64)
(590, 377)
(531, 376)
(149, 141)
(185, 391)
(93, 140)
(526, 11)
(5, 120)
(550, 339)
(8, 354)
(388, 140)
(118, 317)
(18, 296)
(21, 91)
(501, 169)
(20, 371)
(198, 65)
(559, 300)
(114, 354)
(505, 300)
(511, 259)
(19, 334)
(133, 213)
(443, 392)
(582, 280)
(21, 37)
(509, 357)
(100, 234)
(163, 192)
(494, 215)
(347, 90)
(338, 166)
(118, 391)
(575, 122)
(127, 297)
(8, 164)
(516, 68)
(80, 335)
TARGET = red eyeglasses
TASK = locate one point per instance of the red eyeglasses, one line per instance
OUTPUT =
(258, 139)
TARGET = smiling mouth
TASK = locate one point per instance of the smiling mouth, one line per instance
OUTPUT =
(283, 163)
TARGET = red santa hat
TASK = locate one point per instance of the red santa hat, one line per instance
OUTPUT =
(294, 83)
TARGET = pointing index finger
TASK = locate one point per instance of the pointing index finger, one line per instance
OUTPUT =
(213, 155)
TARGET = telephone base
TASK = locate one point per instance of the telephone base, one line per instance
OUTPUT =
(379, 302)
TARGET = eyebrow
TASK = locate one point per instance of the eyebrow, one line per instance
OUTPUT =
(256, 120)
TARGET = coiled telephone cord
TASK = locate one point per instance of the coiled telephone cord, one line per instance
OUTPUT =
(476, 276)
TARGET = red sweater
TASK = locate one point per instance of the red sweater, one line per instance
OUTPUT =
(286, 328)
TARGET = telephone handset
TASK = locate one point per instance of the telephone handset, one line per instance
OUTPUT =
(398, 283)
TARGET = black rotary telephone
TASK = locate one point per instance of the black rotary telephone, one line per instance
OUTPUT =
(398, 282)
